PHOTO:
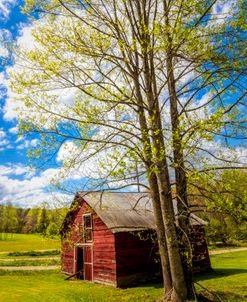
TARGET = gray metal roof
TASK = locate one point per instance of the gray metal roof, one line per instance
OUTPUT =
(126, 211)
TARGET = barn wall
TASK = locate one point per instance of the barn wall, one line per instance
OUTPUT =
(104, 267)
(136, 258)
(73, 236)
(104, 261)
(67, 257)
(200, 259)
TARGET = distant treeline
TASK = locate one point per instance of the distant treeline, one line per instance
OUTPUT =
(31, 220)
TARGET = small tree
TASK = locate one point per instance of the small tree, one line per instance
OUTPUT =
(52, 230)
(224, 201)
(43, 220)
(8, 220)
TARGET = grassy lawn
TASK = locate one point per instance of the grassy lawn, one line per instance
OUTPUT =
(51, 286)
(30, 254)
(27, 242)
(34, 262)
(229, 281)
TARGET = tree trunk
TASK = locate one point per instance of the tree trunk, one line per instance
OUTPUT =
(181, 180)
(155, 194)
(161, 236)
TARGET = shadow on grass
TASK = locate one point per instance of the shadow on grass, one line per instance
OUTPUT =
(219, 273)
(144, 284)
(155, 284)
(219, 296)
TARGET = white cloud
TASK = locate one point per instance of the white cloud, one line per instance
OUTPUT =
(2, 85)
(4, 142)
(28, 191)
(14, 130)
(221, 11)
(2, 134)
(24, 41)
(5, 38)
(5, 6)
(17, 169)
(220, 8)
(67, 96)
(27, 144)
(3, 51)
(5, 34)
(19, 139)
(214, 154)
(1, 78)
(66, 150)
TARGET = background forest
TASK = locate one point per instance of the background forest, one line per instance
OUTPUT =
(40, 220)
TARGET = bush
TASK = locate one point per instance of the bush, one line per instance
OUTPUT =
(225, 230)
(52, 230)
(35, 253)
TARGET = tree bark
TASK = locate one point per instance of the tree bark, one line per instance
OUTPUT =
(179, 292)
(161, 235)
(181, 180)
(155, 194)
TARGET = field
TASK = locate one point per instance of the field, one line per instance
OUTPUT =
(23, 242)
(228, 281)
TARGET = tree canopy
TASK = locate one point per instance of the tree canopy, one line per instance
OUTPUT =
(150, 92)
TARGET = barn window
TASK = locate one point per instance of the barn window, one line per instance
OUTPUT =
(88, 228)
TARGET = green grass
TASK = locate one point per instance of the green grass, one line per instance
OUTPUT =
(34, 262)
(229, 281)
(51, 286)
(28, 242)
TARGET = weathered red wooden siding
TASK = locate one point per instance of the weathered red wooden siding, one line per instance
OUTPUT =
(103, 245)
(135, 258)
(67, 257)
(104, 266)
(74, 236)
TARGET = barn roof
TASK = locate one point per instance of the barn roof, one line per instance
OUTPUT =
(124, 211)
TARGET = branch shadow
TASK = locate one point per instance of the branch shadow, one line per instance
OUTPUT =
(219, 273)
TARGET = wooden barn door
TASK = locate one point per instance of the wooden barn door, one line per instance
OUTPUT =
(88, 262)
(79, 265)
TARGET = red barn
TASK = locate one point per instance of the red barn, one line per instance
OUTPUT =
(109, 238)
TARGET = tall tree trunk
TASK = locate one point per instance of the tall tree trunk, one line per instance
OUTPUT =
(154, 193)
(156, 157)
(180, 177)
(179, 292)
(154, 189)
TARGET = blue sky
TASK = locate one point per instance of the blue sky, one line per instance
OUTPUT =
(19, 184)
(11, 21)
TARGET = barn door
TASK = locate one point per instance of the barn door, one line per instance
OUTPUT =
(88, 262)
(80, 263)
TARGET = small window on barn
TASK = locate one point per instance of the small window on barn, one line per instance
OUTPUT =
(87, 228)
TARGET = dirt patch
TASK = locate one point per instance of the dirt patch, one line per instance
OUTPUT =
(215, 252)
(29, 259)
(29, 268)
(29, 251)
